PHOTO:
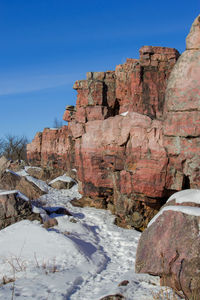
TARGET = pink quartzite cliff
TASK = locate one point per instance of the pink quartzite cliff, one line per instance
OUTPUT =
(115, 139)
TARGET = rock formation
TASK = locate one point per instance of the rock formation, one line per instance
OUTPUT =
(169, 247)
(115, 138)
(182, 116)
(54, 147)
(9, 181)
(14, 208)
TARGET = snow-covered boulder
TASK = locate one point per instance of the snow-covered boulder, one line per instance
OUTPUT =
(9, 180)
(44, 173)
(15, 207)
(170, 246)
(30, 189)
(36, 172)
(62, 182)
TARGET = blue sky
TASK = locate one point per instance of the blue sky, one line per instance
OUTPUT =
(48, 44)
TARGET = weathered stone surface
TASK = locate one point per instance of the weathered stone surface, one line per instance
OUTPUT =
(59, 184)
(51, 222)
(170, 246)
(141, 84)
(52, 148)
(69, 113)
(96, 113)
(4, 164)
(122, 160)
(45, 173)
(9, 180)
(77, 129)
(34, 150)
(193, 38)
(29, 189)
(182, 116)
(13, 209)
(36, 172)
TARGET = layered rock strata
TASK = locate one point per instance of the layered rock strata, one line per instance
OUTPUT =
(115, 139)
(54, 147)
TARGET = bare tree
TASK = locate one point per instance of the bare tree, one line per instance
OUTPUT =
(1, 146)
(14, 147)
(57, 123)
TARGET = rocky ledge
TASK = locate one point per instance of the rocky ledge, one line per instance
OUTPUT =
(134, 135)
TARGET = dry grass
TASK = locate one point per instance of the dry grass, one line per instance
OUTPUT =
(48, 267)
(17, 264)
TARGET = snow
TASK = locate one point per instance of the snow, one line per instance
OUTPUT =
(124, 114)
(85, 256)
(189, 210)
(64, 178)
(22, 172)
(31, 167)
(12, 172)
(190, 195)
(5, 192)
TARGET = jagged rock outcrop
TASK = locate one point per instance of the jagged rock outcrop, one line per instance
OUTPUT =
(141, 84)
(114, 137)
(53, 148)
(132, 146)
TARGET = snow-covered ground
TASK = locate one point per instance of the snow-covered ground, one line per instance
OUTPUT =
(84, 257)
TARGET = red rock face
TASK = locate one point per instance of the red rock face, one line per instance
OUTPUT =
(141, 84)
(182, 116)
(53, 148)
(120, 159)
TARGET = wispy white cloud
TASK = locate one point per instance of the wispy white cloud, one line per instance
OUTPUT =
(24, 83)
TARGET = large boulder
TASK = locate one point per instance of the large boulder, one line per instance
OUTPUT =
(170, 246)
(28, 188)
(14, 208)
(9, 180)
(182, 116)
(62, 182)
(35, 172)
